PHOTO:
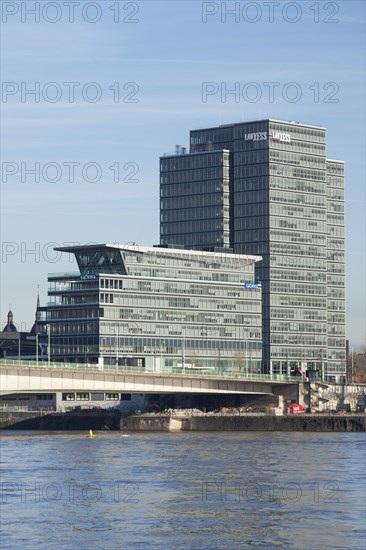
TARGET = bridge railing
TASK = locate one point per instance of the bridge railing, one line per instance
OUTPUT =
(163, 371)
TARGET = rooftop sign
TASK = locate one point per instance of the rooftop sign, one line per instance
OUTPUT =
(255, 136)
(281, 136)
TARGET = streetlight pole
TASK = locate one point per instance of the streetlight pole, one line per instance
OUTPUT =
(161, 354)
(183, 351)
(117, 345)
(309, 394)
(352, 354)
(245, 355)
(37, 348)
(49, 345)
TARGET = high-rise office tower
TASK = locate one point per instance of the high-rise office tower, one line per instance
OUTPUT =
(266, 187)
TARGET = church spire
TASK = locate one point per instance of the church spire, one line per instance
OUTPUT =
(10, 315)
(10, 327)
(38, 313)
(37, 328)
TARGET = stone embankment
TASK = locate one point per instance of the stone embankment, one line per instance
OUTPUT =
(237, 420)
(37, 420)
(172, 420)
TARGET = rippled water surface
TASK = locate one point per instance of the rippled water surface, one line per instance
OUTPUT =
(186, 490)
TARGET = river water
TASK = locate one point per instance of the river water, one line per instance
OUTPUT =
(183, 490)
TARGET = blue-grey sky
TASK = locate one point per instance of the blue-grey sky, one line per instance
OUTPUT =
(137, 71)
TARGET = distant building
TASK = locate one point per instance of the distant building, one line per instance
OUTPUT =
(16, 345)
(10, 327)
(10, 339)
(156, 307)
(38, 327)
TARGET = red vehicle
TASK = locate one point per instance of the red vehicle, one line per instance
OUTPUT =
(295, 408)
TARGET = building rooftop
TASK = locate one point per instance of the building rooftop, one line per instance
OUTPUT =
(213, 257)
(261, 120)
(101, 258)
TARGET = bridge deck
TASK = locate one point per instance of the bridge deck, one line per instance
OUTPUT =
(29, 377)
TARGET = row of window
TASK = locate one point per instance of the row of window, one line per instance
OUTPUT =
(300, 315)
(190, 288)
(185, 177)
(211, 270)
(335, 182)
(111, 283)
(290, 330)
(336, 330)
(335, 169)
(302, 199)
(264, 155)
(72, 300)
(335, 231)
(175, 346)
(335, 194)
(196, 213)
(299, 261)
(194, 201)
(299, 275)
(336, 280)
(291, 184)
(192, 162)
(96, 396)
(294, 288)
(297, 158)
(296, 249)
(300, 339)
(335, 267)
(299, 225)
(333, 206)
(187, 325)
(248, 298)
(75, 313)
(302, 212)
(335, 219)
(317, 240)
(298, 301)
(73, 286)
(294, 172)
(336, 356)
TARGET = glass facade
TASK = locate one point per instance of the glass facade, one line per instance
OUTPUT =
(336, 307)
(195, 199)
(286, 204)
(159, 307)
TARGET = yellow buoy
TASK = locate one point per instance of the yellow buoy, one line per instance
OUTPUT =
(91, 433)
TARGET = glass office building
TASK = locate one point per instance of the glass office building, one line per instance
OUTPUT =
(274, 194)
(157, 308)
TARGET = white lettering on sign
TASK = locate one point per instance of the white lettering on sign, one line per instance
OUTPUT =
(255, 136)
(252, 285)
(281, 136)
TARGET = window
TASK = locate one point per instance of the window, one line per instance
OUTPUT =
(82, 396)
(126, 397)
(112, 396)
(68, 397)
